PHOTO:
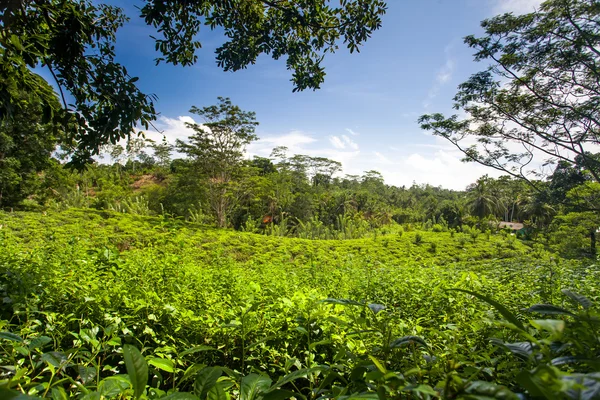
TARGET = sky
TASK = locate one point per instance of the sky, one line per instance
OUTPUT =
(365, 114)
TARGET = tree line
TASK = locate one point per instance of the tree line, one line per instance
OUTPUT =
(536, 103)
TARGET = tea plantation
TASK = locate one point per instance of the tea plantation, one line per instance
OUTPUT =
(97, 304)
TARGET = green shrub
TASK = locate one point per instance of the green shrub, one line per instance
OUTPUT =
(418, 238)
(433, 247)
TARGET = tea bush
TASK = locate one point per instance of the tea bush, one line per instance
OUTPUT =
(99, 304)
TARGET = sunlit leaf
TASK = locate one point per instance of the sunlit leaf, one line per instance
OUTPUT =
(501, 309)
(137, 369)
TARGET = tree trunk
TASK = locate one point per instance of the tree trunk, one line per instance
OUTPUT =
(593, 241)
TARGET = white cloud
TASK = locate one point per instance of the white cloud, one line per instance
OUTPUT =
(410, 114)
(436, 163)
(171, 128)
(445, 73)
(295, 141)
(343, 142)
(439, 168)
(341, 148)
(337, 142)
(350, 143)
(382, 158)
(515, 6)
(350, 131)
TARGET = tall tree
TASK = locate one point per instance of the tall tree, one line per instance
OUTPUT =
(26, 146)
(217, 150)
(481, 201)
(539, 98)
(162, 152)
(74, 40)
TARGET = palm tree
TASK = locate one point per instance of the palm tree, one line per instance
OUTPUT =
(480, 200)
(539, 212)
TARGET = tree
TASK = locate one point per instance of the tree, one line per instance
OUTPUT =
(263, 165)
(134, 148)
(480, 201)
(217, 149)
(322, 170)
(26, 146)
(582, 218)
(540, 97)
(162, 152)
(74, 40)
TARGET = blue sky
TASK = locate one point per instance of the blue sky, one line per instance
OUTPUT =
(365, 113)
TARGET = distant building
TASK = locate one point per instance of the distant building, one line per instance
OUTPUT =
(514, 226)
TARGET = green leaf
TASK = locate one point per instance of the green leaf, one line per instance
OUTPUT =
(578, 298)
(536, 386)
(365, 395)
(523, 350)
(424, 389)
(358, 373)
(39, 342)
(281, 394)
(501, 309)
(87, 374)
(7, 394)
(343, 302)
(554, 326)
(137, 369)
(549, 309)
(205, 380)
(58, 393)
(24, 351)
(406, 340)
(575, 360)
(192, 370)
(253, 385)
(218, 392)
(162, 364)
(197, 349)
(378, 364)
(94, 396)
(179, 396)
(14, 39)
(10, 336)
(292, 376)
(55, 358)
(490, 391)
(114, 385)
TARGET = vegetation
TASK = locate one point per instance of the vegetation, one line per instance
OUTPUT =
(215, 276)
(75, 39)
(219, 313)
(540, 91)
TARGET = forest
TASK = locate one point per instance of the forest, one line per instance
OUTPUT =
(189, 269)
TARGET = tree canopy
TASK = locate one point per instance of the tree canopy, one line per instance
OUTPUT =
(26, 146)
(539, 100)
(101, 103)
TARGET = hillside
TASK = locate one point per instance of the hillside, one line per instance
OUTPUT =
(86, 282)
